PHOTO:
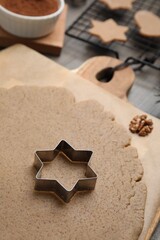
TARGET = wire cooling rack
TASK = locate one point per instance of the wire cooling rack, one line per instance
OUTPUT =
(143, 49)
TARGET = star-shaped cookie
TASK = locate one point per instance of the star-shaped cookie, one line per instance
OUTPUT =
(148, 23)
(118, 4)
(108, 31)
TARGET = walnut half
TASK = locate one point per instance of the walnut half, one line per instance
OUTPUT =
(141, 125)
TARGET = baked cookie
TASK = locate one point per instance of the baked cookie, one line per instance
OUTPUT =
(108, 31)
(118, 4)
(148, 23)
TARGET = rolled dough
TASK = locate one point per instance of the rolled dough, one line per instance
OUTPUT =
(38, 118)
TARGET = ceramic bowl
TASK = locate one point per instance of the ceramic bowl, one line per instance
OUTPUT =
(29, 26)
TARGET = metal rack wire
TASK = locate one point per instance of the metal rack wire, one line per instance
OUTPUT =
(143, 49)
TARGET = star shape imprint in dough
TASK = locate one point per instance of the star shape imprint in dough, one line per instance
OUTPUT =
(108, 31)
(53, 185)
(118, 4)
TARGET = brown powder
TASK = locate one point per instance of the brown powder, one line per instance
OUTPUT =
(31, 7)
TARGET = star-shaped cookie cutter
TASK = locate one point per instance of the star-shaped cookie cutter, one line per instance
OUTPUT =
(52, 185)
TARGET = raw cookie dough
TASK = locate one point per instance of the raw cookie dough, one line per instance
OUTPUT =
(38, 118)
(148, 23)
(108, 30)
(118, 4)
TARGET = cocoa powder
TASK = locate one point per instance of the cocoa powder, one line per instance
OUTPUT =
(31, 7)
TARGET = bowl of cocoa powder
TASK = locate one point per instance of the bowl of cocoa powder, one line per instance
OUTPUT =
(30, 18)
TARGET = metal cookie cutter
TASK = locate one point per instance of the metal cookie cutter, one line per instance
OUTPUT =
(52, 185)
